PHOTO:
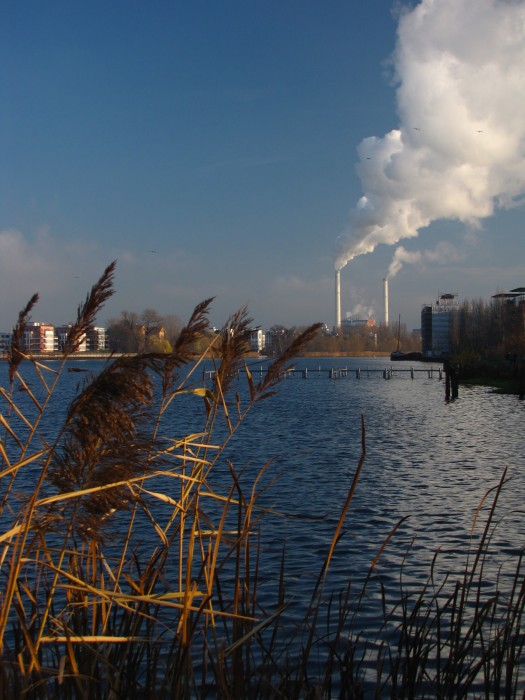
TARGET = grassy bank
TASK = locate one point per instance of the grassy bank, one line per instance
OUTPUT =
(500, 385)
(94, 517)
(504, 376)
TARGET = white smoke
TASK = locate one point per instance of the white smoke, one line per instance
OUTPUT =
(360, 311)
(443, 253)
(460, 150)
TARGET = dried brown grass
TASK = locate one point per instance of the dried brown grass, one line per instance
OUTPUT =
(127, 572)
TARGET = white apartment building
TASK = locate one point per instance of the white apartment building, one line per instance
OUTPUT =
(39, 337)
(97, 339)
(257, 340)
(45, 338)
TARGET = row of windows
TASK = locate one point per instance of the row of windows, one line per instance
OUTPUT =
(43, 338)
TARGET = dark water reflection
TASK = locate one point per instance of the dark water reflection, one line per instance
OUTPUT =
(427, 460)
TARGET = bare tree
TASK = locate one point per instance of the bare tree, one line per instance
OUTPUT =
(123, 332)
(172, 325)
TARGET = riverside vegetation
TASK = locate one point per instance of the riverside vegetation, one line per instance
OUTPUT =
(117, 499)
(488, 345)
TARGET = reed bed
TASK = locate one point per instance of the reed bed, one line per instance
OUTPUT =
(128, 572)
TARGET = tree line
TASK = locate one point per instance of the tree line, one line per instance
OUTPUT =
(480, 331)
(150, 331)
(366, 339)
(489, 333)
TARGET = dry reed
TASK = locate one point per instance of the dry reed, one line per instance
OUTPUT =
(127, 573)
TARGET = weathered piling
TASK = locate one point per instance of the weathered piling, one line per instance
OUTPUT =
(451, 382)
(338, 372)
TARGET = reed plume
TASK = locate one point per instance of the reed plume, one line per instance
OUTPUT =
(86, 313)
(171, 605)
(104, 441)
(14, 353)
(184, 348)
(279, 366)
(234, 345)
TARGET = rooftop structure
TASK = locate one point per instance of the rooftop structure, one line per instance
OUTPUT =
(515, 296)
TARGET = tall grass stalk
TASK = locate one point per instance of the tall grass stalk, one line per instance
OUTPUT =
(129, 571)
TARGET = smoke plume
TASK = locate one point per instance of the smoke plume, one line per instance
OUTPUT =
(361, 311)
(443, 253)
(459, 152)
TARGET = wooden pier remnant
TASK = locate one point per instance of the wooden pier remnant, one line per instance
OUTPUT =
(451, 382)
(387, 372)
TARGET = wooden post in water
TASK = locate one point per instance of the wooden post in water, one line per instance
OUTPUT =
(455, 384)
(451, 382)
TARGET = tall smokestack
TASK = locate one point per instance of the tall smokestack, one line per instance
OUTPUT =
(337, 300)
(386, 300)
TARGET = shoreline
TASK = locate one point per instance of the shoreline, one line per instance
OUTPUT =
(54, 357)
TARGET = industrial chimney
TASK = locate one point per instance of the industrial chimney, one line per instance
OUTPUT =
(337, 300)
(386, 300)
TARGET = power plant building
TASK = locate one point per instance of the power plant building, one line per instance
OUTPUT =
(350, 323)
(436, 326)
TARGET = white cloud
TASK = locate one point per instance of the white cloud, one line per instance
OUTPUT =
(459, 152)
(61, 272)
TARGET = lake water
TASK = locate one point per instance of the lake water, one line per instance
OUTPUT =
(427, 460)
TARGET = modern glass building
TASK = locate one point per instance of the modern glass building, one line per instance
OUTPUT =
(436, 325)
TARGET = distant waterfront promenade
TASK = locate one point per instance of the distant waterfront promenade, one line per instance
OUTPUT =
(75, 356)
(109, 355)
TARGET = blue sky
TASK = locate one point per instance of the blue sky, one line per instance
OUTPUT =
(230, 138)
